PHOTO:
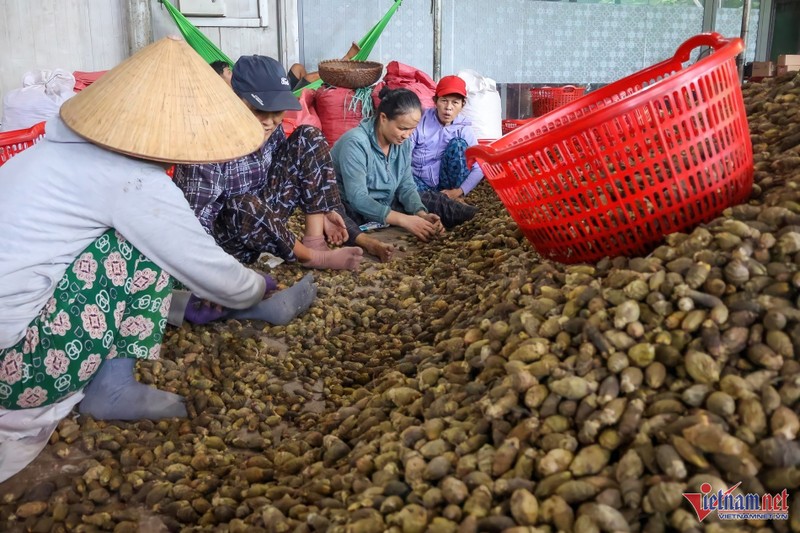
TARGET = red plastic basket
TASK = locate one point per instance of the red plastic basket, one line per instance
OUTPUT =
(510, 124)
(546, 99)
(13, 142)
(613, 172)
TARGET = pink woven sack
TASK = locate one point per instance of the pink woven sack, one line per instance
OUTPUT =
(399, 76)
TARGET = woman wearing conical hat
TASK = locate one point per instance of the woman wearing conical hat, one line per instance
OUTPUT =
(92, 231)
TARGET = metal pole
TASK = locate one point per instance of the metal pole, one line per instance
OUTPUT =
(437, 39)
(745, 30)
(288, 31)
(283, 52)
(140, 27)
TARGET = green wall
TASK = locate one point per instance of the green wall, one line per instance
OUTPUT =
(786, 33)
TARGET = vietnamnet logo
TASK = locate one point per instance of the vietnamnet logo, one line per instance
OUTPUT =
(731, 506)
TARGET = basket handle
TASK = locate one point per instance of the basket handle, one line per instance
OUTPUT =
(712, 39)
(492, 154)
(568, 88)
(480, 151)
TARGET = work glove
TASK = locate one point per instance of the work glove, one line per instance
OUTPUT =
(199, 311)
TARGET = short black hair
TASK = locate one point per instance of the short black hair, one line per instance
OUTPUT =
(219, 66)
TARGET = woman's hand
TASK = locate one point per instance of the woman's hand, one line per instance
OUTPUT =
(334, 228)
(199, 311)
(454, 194)
(433, 219)
(270, 285)
(424, 226)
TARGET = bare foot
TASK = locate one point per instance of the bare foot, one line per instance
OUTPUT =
(348, 258)
(298, 70)
(383, 251)
(316, 243)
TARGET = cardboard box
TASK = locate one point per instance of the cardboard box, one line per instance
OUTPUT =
(788, 59)
(763, 69)
(783, 69)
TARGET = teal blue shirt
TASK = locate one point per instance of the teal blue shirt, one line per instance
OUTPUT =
(369, 181)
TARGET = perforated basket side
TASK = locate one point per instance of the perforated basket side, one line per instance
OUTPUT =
(13, 142)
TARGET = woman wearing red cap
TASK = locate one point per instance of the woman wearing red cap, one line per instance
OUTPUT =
(440, 140)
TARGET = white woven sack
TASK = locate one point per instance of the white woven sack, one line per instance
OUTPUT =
(38, 100)
(483, 108)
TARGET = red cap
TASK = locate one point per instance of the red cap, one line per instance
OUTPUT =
(451, 85)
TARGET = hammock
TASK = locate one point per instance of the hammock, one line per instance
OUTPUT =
(210, 53)
(195, 38)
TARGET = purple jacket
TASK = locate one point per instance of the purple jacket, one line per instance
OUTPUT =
(428, 143)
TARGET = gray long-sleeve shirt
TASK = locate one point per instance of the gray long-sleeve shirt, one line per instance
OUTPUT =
(60, 195)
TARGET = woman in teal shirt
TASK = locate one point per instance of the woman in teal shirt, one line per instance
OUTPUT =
(373, 169)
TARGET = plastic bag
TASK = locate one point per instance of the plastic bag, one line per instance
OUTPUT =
(307, 115)
(39, 98)
(483, 107)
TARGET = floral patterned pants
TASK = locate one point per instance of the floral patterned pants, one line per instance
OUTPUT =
(111, 302)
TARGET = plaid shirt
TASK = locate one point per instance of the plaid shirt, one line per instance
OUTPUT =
(209, 187)
(245, 203)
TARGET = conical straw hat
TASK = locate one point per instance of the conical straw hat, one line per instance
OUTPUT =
(165, 103)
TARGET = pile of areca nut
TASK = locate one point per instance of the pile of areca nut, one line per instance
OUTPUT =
(473, 386)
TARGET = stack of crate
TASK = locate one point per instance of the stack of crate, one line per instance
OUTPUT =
(788, 63)
(762, 69)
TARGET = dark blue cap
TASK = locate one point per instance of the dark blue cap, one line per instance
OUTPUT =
(261, 81)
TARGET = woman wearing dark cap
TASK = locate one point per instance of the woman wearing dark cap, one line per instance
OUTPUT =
(246, 204)
(440, 141)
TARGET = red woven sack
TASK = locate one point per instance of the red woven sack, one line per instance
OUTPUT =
(403, 76)
(84, 79)
(333, 108)
(307, 115)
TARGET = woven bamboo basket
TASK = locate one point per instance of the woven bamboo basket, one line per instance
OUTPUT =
(349, 74)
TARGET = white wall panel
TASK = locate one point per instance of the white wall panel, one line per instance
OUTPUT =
(73, 35)
(237, 42)
(516, 41)
(329, 28)
(92, 35)
(241, 8)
